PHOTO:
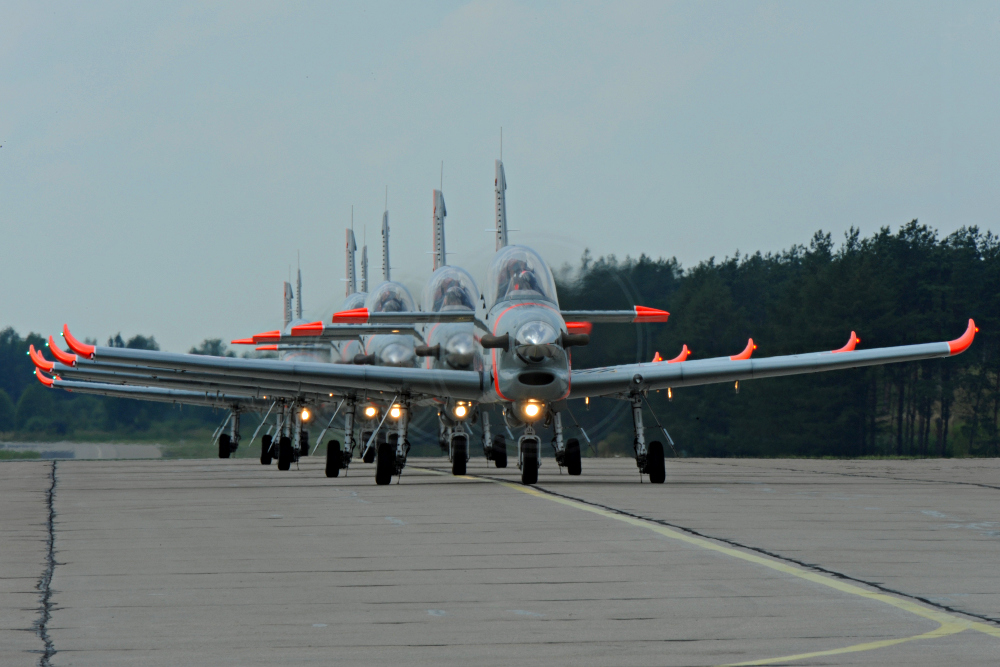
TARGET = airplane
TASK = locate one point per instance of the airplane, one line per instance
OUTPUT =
(526, 342)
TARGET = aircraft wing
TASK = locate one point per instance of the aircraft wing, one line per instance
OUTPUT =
(630, 378)
(209, 399)
(329, 378)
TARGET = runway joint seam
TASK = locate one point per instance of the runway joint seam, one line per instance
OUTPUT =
(45, 581)
(787, 559)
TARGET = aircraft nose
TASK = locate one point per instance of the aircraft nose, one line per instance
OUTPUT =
(459, 350)
(396, 354)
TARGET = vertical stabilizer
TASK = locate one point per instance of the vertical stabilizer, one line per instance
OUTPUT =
(385, 246)
(440, 256)
(500, 185)
(288, 303)
(364, 269)
(298, 295)
(352, 279)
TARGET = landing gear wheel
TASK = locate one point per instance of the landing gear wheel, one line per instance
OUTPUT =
(460, 455)
(499, 451)
(334, 456)
(303, 443)
(655, 466)
(529, 468)
(385, 463)
(224, 450)
(369, 454)
(285, 453)
(572, 456)
(265, 450)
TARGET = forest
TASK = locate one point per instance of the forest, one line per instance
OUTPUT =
(893, 288)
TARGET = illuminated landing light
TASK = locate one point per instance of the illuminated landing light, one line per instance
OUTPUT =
(670, 394)
(532, 409)
(586, 401)
(370, 412)
(461, 411)
(305, 414)
(395, 411)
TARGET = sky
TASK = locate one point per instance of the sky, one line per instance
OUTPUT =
(164, 166)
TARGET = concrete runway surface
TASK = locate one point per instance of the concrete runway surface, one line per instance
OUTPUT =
(227, 562)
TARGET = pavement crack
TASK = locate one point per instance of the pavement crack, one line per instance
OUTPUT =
(776, 556)
(44, 584)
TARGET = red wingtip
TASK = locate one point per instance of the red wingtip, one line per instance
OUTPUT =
(267, 348)
(354, 316)
(242, 341)
(63, 357)
(38, 360)
(644, 314)
(579, 327)
(746, 353)
(82, 349)
(43, 378)
(680, 357)
(851, 344)
(266, 337)
(311, 329)
(961, 344)
(657, 358)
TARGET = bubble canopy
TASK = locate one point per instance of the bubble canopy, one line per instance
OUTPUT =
(356, 300)
(518, 273)
(389, 297)
(450, 288)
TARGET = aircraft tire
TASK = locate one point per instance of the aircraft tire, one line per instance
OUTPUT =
(385, 463)
(572, 457)
(529, 468)
(460, 458)
(265, 450)
(303, 443)
(334, 457)
(369, 454)
(285, 453)
(655, 466)
(224, 449)
(499, 451)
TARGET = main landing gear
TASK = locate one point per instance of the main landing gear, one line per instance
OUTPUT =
(649, 458)
(568, 452)
(228, 442)
(390, 454)
(338, 458)
(494, 446)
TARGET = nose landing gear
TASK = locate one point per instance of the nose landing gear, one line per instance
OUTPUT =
(528, 449)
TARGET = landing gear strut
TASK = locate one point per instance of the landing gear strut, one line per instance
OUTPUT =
(648, 458)
(338, 459)
(228, 442)
(494, 446)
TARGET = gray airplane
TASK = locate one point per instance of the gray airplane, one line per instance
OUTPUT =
(526, 366)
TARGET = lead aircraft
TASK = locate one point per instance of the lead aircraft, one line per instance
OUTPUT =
(524, 364)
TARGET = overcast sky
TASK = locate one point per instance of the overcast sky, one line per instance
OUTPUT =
(163, 163)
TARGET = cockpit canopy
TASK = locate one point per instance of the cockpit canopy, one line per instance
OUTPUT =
(389, 297)
(356, 300)
(518, 273)
(450, 288)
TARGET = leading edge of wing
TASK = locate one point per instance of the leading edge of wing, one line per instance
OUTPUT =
(631, 378)
(450, 383)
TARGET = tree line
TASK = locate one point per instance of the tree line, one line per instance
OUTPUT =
(892, 288)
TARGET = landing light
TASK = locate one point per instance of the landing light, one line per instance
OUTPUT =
(370, 412)
(461, 411)
(305, 414)
(532, 409)
(394, 412)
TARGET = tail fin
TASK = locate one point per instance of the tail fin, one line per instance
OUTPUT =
(440, 256)
(298, 295)
(500, 187)
(385, 246)
(364, 269)
(288, 303)
(352, 280)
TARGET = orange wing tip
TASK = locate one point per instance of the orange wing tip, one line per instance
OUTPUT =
(266, 337)
(267, 348)
(354, 316)
(44, 379)
(644, 314)
(579, 327)
(63, 357)
(961, 344)
(851, 344)
(311, 329)
(38, 360)
(242, 341)
(82, 349)
(685, 352)
(657, 358)
(746, 353)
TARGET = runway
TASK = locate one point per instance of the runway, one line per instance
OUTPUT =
(227, 562)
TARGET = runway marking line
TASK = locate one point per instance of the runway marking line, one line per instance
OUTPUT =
(947, 623)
